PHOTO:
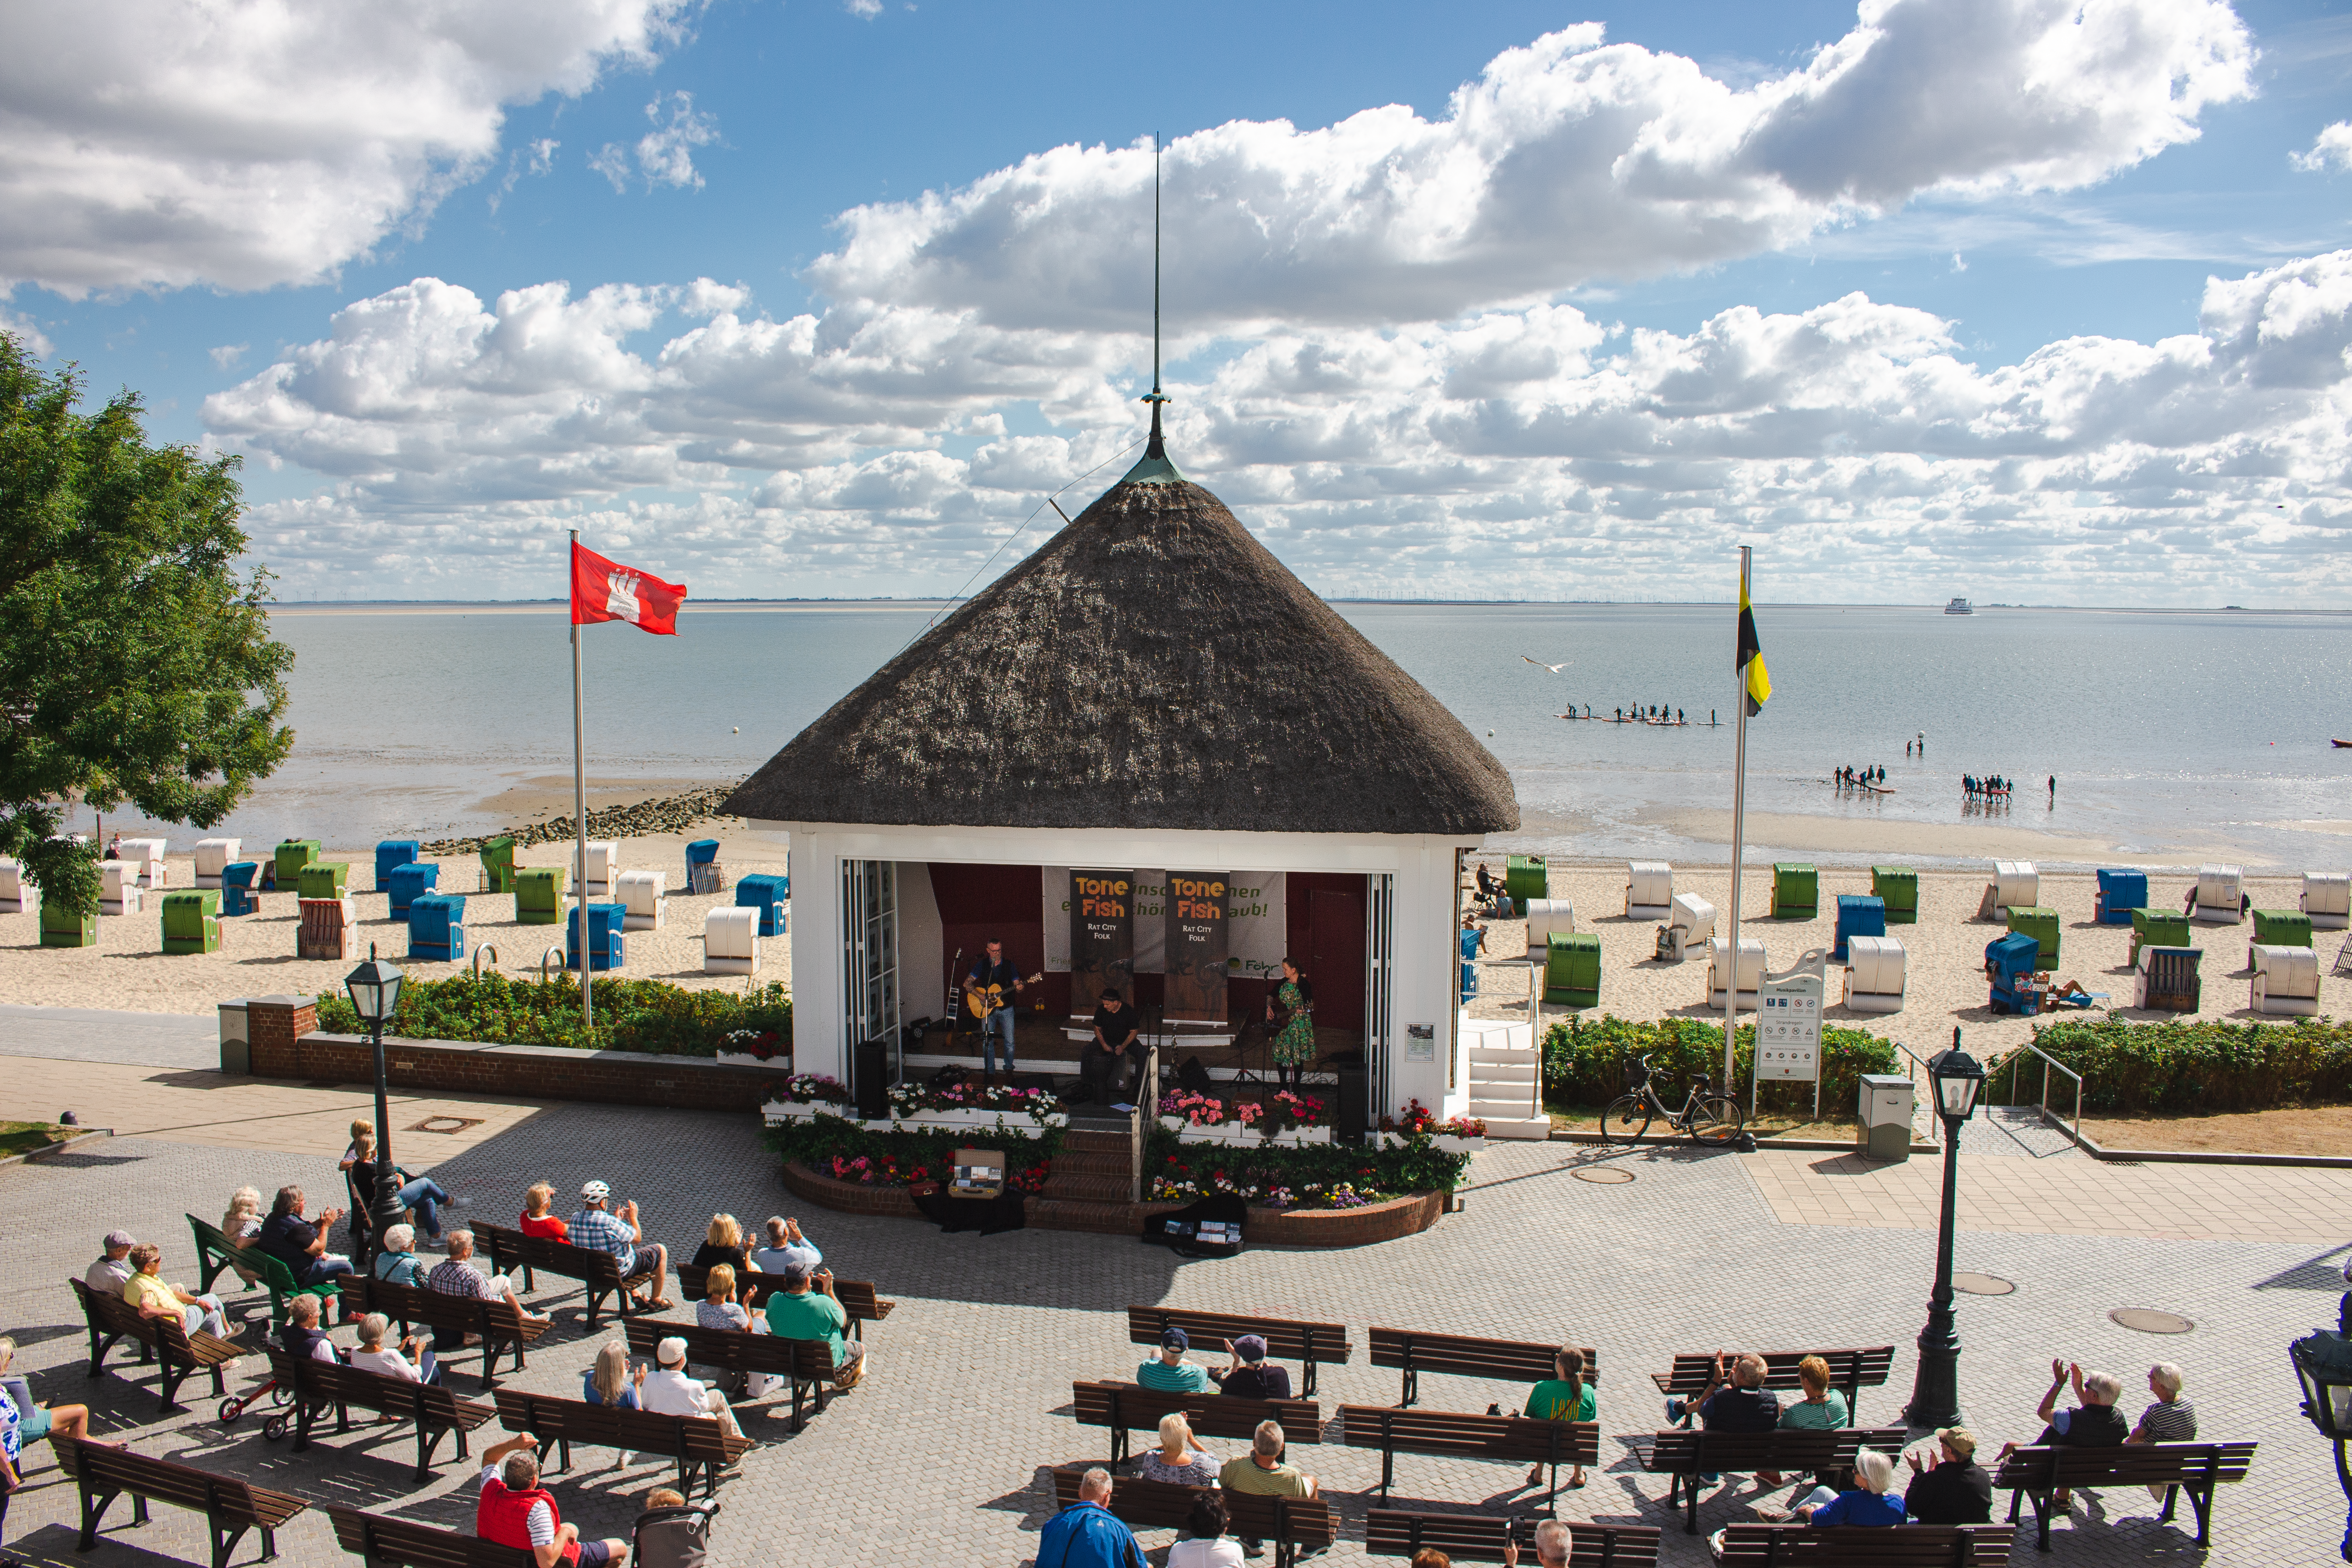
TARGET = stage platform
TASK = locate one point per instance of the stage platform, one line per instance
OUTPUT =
(1051, 1046)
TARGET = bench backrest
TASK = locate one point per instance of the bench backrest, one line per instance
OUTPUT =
(1461, 1434)
(695, 1437)
(416, 1304)
(1326, 1344)
(1685, 1448)
(1128, 1407)
(737, 1350)
(1511, 1361)
(114, 1315)
(387, 1543)
(335, 1384)
(752, 1287)
(1909, 1546)
(859, 1300)
(1165, 1505)
(2130, 1464)
(1849, 1369)
(222, 1498)
(1478, 1537)
(583, 1263)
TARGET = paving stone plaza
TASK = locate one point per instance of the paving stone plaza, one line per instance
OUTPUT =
(943, 1455)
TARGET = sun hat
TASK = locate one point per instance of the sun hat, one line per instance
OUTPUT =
(1251, 1348)
(596, 1192)
(115, 1238)
(1175, 1340)
(671, 1351)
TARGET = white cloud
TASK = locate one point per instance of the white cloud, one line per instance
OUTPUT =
(36, 342)
(227, 356)
(666, 153)
(536, 159)
(868, 9)
(611, 160)
(2331, 149)
(252, 143)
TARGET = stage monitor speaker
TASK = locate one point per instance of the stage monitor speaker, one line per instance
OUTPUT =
(871, 1067)
(1355, 1102)
(1192, 1076)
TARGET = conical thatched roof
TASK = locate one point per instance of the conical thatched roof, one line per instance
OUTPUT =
(1152, 665)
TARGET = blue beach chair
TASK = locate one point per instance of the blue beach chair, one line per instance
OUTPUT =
(410, 882)
(392, 853)
(2120, 892)
(1858, 915)
(236, 888)
(436, 927)
(767, 894)
(605, 948)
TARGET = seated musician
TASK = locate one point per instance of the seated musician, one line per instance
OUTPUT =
(1114, 1057)
(990, 989)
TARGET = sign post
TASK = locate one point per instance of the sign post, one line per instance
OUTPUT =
(1788, 1034)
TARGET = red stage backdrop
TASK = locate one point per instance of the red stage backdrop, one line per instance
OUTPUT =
(1102, 937)
(1196, 946)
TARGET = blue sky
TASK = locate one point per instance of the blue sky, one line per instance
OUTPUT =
(1866, 347)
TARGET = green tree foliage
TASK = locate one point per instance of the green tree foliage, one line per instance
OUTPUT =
(136, 660)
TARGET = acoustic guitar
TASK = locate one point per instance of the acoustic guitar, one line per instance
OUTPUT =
(983, 1002)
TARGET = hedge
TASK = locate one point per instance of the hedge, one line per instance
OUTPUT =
(2202, 1065)
(631, 1014)
(1586, 1062)
(1418, 1167)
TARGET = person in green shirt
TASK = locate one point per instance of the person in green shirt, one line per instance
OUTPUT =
(1169, 1373)
(1565, 1397)
(1822, 1409)
(1263, 1472)
(799, 1312)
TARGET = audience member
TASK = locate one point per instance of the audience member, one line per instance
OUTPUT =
(111, 1271)
(2171, 1419)
(538, 1216)
(300, 1243)
(457, 1276)
(786, 1245)
(397, 1259)
(1248, 1374)
(421, 1194)
(1205, 1544)
(718, 1309)
(598, 1225)
(1430, 1557)
(361, 1128)
(147, 1291)
(672, 1532)
(1554, 1544)
(1743, 1404)
(1170, 1372)
(1087, 1534)
(240, 1226)
(1263, 1472)
(1954, 1489)
(1822, 1409)
(1179, 1460)
(1866, 1503)
(372, 1356)
(302, 1337)
(799, 1312)
(723, 1243)
(1564, 1397)
(23, 1421)
(610, 1381)
(668, 1391)
(2093, 1423)
(514, 1509)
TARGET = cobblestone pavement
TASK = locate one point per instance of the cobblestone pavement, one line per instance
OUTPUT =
(938, 1457)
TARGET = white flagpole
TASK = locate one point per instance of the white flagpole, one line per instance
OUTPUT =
(1739, 836)
(579, 808)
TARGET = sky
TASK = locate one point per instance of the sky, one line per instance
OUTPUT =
(2038, 301)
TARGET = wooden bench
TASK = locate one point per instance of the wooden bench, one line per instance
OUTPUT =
(1505, 1361)
(698, 1443)
(1506, 1439)
(1860, 1546)
(166, 1340)
(386, 1542)
(1688, 1453)
(1125, 1407)
(215, 1252)
(599, 1272)
(1294, 1524)
(2193, 1467)
(807, 1362)
(1479, 1538)
(857, 1297)
(230, 1507)
(1309, 1344)
(499, 1324)
(317, 1385)
(1851, 1371)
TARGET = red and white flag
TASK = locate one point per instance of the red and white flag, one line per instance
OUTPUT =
(606, 590)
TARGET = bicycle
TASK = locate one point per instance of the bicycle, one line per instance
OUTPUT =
(1711, 1120)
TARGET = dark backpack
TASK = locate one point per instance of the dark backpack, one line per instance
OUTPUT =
(673, 1537)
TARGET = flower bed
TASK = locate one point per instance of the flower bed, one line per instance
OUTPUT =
(1284, 1118)
(646, 1015)
(863, 1154)
(1334, 1176)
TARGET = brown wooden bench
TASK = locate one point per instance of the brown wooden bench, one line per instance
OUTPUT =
(1504, 1361)
(1295, 1525)
(318, 1385)
(698, 1443)
(599, 1272)
(230, 1507)
(1451, 1435)
(807, 1362)
(1309, 1344)
(1859, 1546)
(1125, 1407)
(1851, 1371)
(1479, 1538)
(386, 1542)
(1688, 1453)
(498, 1324)
(166, 1341)
(857, 1297)
(2193, 1467)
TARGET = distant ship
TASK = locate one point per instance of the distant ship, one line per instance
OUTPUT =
(1960, 607)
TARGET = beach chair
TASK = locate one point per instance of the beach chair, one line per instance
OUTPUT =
(117, 886)
(2286, 979)
(236, 888)
(1649, 889)
(286, 865)
(1897, 887)
(731, 941)
(1857, 916)
(2160, 928)
(436, 927)
(1525, 877)
(2164, 979)
(1691, 920)
(2015, 883)
(12, 886)
(2220, 895)
(192, 921)
(539, 895)
(406, 884)
(329, 929)
(1572, 969)
(2011, 962)
(323, 880)
(213, 855)
(643, 895)
(1874, 975)
(702, 873)
(1718, 967)
(766, 894)
(2120, 892)
(2041, 923)
(1547, 918)
(499, 867)
(1796, 891)
(147, 855)
(605, 949)
(62, 927)
(2282, 927)
(391, 853)
(2327, 899)
(596, 881)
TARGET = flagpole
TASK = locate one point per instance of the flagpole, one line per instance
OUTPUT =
(579, 792)
(1739, 837)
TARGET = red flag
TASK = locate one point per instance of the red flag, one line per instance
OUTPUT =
(606, 590)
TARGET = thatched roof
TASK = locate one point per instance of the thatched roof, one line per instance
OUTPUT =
(1152, 665)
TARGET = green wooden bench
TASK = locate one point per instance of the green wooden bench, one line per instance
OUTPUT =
(215, 1252)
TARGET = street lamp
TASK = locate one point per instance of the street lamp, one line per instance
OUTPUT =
(2323, 1362)
(376, 997)
(1958, 1078)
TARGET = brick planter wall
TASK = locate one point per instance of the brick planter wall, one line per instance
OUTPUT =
(849, 1197)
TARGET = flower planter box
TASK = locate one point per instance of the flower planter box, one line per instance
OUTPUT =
(961, 1121)
(1175, 1124)
(1454, 1144)
(779, 1113)
(745, 1058)
(1230, 1136)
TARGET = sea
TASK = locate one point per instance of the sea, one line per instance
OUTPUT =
(2169, 734)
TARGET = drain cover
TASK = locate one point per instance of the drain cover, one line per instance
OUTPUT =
(1607, 1175)
(1982, 1284)
(447, 1124)
(2148, 1321)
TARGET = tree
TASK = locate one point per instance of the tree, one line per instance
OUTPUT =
(136, 660)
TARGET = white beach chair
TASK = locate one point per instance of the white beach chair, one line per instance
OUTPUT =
(1545, 916)
(211, 855)
(1649, 889)
(1875, 973)
(2220, 895)
(118, 886)
(2015, 885)
(2327, 899)
(642, 895)
(598, 877)
(148, 855)
(730, 940)
(2286, 979)
(12, 886)
(1751, 970)
(1690, 920)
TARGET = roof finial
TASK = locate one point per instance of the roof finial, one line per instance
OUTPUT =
(1154, 467)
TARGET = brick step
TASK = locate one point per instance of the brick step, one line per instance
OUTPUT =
(1079, 1140)
(1085, 1162)
(1087, 1189)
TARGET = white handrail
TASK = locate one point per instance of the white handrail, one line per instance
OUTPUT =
(552, 951)
(479, 948)
(2048, 1061)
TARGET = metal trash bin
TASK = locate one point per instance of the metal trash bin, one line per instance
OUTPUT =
(1885, 1115)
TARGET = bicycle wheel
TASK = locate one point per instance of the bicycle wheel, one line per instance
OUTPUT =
(1627, 1118)
(1715, 1120)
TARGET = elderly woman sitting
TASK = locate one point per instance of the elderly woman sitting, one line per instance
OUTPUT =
(372, 1355)
(241, 1224)
(397, 1261)
(1179, 1460)
(1866, 1503)
(718, 1309)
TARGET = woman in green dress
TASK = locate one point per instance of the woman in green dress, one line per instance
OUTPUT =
(1292, 1005)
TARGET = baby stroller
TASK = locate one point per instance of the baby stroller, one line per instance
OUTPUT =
(675, 1537)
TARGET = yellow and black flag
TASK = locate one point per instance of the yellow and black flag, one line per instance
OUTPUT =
(1755, 679)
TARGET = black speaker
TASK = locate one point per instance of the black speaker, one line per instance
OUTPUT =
(1192, 1076)
(870, 1066)
(1355, 1104)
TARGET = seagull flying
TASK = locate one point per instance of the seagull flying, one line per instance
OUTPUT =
(1539, 664)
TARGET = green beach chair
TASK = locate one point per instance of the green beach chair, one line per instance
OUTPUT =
(2282, 927)
(499, 865)
(2040, 922)
(323, 880)
(1796, 891)
(288, 863)
(61, 928)
(1899, 886)
(1525, 877)
(2158, 928)
(192, 921)
(1572, 969)
(539, 894)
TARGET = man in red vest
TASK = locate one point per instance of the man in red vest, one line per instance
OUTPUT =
(515, 1510)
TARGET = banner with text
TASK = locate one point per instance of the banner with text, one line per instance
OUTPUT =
(1196, 946)
(1102, 937)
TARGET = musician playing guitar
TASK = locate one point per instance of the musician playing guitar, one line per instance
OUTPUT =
(989, 991)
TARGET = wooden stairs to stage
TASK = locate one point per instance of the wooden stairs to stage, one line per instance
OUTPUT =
(1092, 1181)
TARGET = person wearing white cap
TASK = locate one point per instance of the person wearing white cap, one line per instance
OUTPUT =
(599, 1226)
(668, 1391)
(111, 1272)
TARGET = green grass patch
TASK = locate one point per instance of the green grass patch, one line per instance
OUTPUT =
(30, 1137)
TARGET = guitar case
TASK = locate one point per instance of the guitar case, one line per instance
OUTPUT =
(1220, 1216)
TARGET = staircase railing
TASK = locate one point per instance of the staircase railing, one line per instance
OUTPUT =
(1147, 1109)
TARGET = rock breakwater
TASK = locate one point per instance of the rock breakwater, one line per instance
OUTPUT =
(671, 813)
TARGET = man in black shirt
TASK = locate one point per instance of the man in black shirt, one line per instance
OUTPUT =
(1955, 1489)
(1249, 1376)
(300, 1244)
(1115, 1055)
(993, 969)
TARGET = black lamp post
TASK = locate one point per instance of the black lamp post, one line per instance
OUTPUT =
(2323, 1362)
(376, 997)
(1957, 1078)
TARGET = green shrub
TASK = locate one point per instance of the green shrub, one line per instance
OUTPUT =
(2187, 1066)
(648, 1015)
(1585, 1060)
